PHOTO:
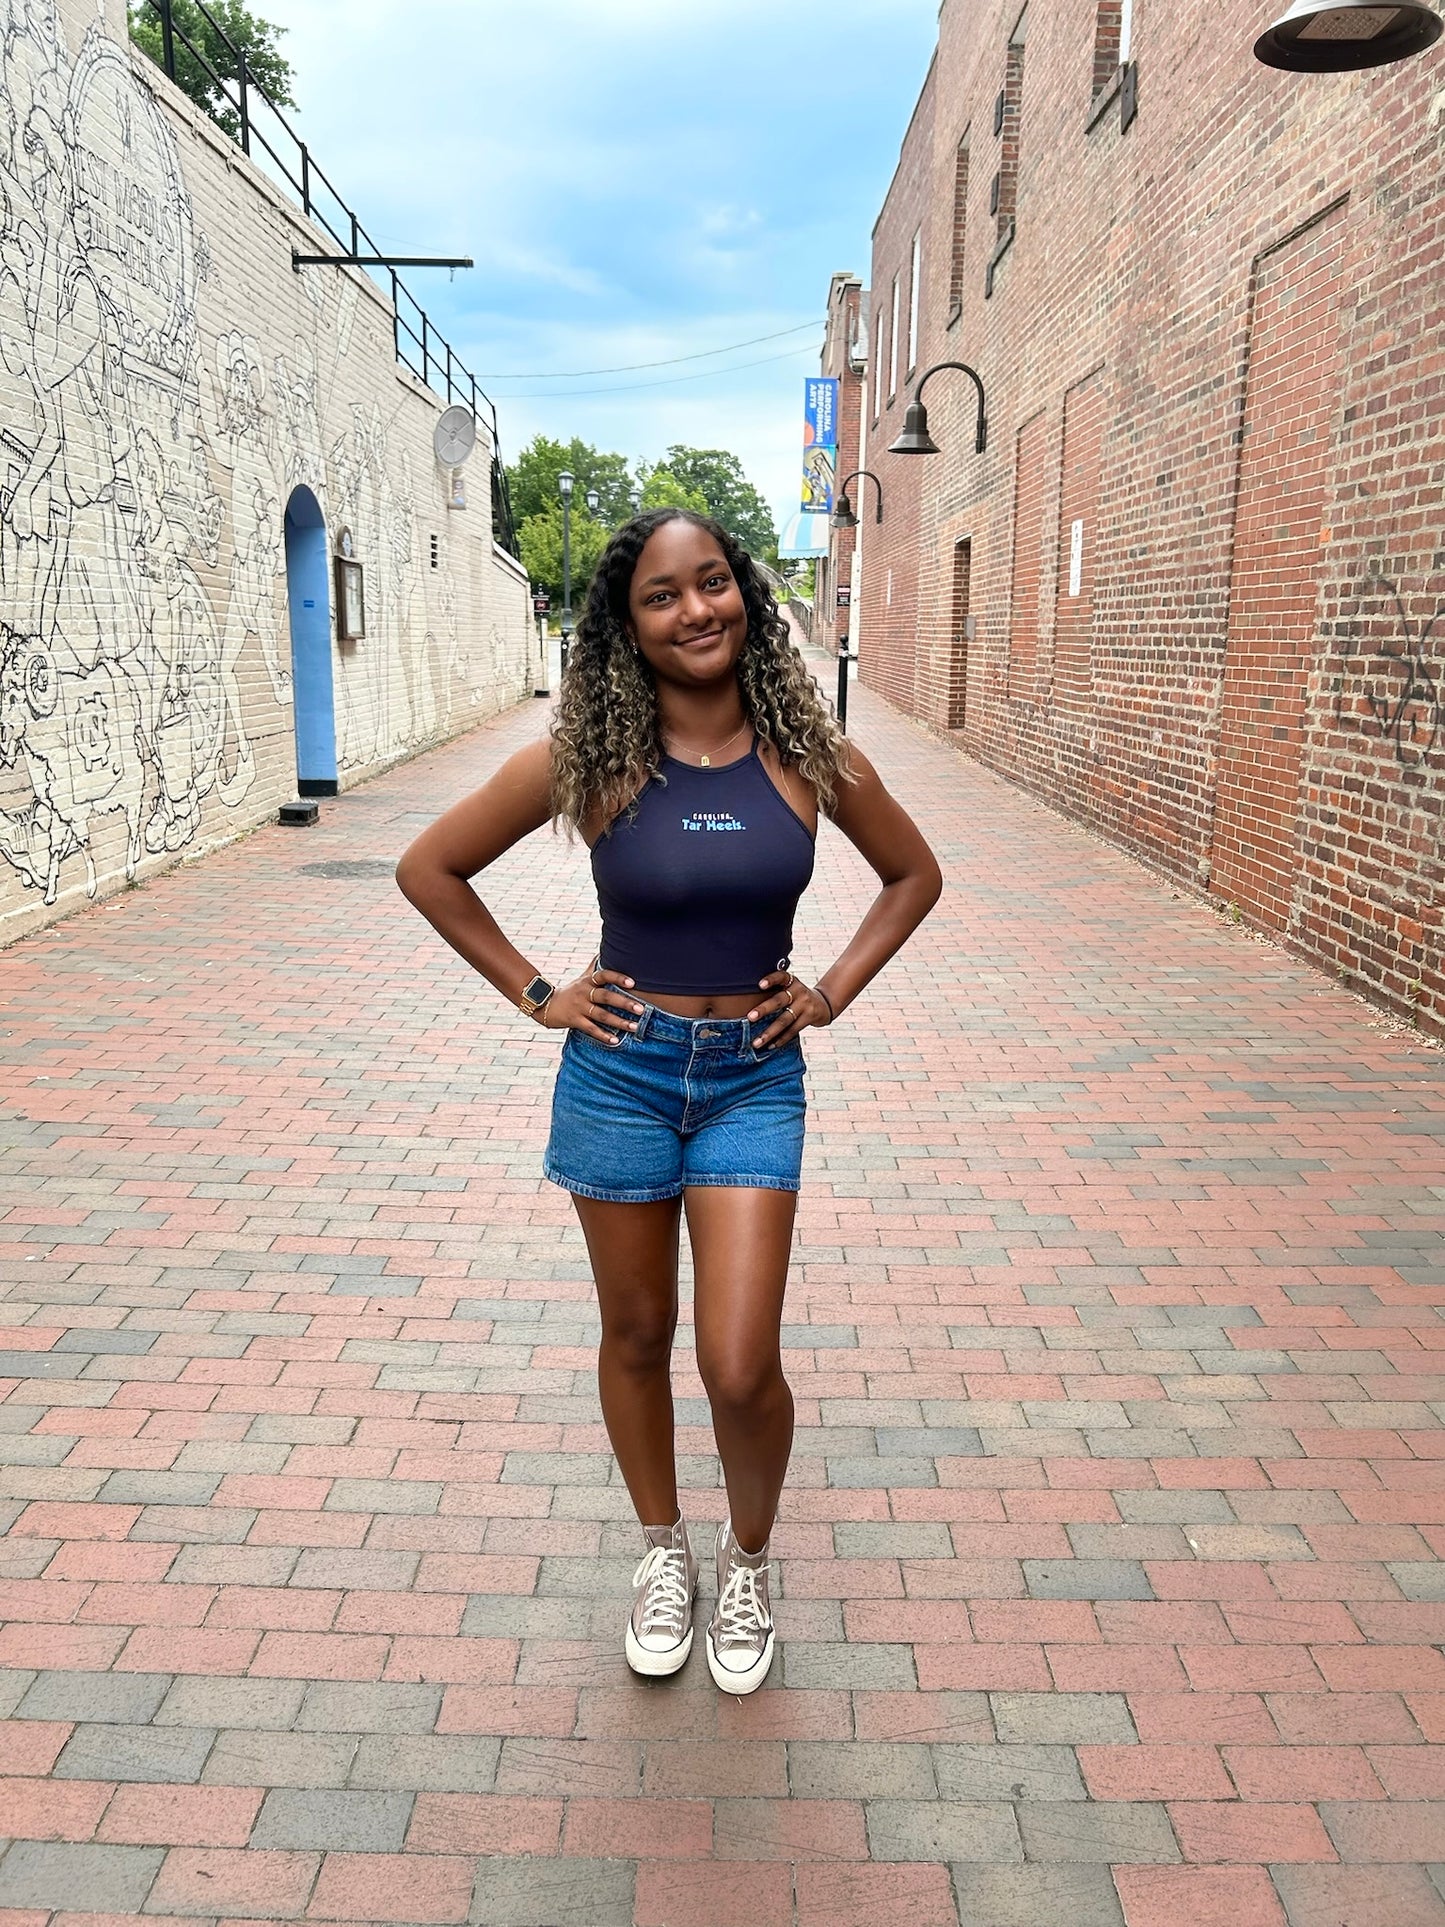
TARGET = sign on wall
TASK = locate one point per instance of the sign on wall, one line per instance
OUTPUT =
(820, 443)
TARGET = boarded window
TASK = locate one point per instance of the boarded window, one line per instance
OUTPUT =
(915, 279)
(960, 229)
(1113, 37)
(893, 347)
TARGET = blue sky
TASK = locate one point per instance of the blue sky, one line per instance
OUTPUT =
(636, 179)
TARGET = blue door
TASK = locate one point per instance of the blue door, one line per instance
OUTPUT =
(308, 590)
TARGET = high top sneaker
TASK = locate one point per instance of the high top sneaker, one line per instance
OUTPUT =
(740, 1637)
(659, 1629)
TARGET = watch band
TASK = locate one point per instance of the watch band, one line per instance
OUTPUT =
(535, 996)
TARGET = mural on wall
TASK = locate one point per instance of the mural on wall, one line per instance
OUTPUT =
(148, 447)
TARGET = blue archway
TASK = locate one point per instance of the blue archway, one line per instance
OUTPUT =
(308, 591)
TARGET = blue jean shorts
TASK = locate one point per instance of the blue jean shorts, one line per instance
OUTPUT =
(680, 1101)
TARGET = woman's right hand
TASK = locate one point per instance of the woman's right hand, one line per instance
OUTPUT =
(597, 1004)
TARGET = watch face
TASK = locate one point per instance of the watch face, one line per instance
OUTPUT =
(537, 990)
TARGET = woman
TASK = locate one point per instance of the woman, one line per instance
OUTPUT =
(693, 754)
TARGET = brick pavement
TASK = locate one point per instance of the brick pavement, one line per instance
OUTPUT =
(1110, 1558)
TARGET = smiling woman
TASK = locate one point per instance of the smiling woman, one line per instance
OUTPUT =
(692, 752)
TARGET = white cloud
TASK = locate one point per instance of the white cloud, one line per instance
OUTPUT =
(636, 179)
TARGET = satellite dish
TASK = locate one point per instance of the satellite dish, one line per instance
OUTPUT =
(454, 436)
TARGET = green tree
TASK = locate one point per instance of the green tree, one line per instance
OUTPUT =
(539, 538)
(234, 28)
(663, 490)
(532, 479)
(718, 477)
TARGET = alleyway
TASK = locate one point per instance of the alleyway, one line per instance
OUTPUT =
(1111, 1563)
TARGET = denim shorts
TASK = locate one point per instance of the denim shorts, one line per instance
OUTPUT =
(680, 1101)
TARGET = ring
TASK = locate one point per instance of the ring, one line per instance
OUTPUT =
(789, 996)
(595, 980)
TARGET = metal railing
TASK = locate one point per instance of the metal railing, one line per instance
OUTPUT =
(264, 134)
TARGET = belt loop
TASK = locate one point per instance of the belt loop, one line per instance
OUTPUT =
(644, 1019)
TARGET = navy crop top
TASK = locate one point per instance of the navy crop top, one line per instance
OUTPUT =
(699, 881)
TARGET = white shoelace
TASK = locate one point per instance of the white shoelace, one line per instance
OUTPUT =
(740, 1611)
(664, 1572)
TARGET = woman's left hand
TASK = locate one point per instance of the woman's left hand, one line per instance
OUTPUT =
(794, 1006)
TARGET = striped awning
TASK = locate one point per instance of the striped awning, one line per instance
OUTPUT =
(804, 534)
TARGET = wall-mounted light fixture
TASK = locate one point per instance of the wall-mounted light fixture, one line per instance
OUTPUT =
(1340, 36)
(843, 516)
(915, 438)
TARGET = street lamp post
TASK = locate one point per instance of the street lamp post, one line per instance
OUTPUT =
(594, 501)
(564, 489)
(844, 518)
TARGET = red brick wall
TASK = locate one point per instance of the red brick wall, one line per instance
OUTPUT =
(1290, 401)
(1031, 455)
(1077, 544)
(1230, 540)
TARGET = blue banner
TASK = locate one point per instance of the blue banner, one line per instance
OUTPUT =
(820, 443)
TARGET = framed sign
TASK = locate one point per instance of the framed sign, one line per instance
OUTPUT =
(350, 601)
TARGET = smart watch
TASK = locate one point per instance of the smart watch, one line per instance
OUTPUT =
(535, 995)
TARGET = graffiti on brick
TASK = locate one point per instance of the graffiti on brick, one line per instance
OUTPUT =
(1391, 687)
(146, 459)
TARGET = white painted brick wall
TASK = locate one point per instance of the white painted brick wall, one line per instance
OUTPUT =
(167, 380)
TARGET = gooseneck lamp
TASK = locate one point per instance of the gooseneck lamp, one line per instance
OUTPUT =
(1341, 36)
(915, 438)
(565, 482)
(843, 516)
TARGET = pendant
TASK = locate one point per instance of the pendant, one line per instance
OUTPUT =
(704, 762)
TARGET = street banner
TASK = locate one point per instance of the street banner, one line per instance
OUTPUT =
(820, 443)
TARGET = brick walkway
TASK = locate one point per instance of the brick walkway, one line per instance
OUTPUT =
(1111, 1556)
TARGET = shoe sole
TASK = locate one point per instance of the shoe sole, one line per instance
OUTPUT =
(656, 1665)
(737, 1683)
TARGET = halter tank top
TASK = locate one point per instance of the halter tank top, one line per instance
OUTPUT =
(698, 882)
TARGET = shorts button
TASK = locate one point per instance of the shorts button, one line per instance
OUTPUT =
(707, 1033)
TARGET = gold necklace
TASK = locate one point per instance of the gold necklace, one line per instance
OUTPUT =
(705, 761)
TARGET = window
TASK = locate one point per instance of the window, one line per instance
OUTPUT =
(915, 280)
(1013, 99)
(960, 229)
(1113, 39)
(893, 346)
(1004, 196)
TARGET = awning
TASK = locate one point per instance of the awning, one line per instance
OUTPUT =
(804, 534)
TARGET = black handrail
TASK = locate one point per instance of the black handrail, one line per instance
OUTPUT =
(424, 354)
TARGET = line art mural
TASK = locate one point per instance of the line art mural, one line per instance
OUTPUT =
(156, 415)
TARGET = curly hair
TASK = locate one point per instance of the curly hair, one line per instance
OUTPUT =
(606, 742)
